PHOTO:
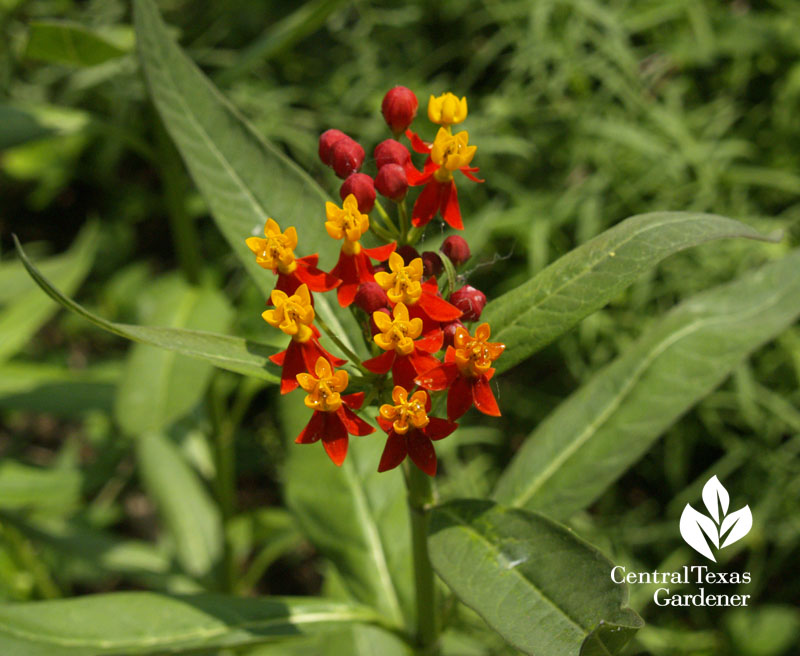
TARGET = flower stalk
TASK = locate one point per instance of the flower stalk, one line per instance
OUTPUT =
(420, 501)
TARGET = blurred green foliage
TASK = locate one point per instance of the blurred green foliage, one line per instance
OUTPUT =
(585, 112)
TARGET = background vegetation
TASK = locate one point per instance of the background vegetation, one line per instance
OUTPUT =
(585, 112)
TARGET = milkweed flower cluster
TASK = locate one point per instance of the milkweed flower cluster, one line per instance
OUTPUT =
(411, 312)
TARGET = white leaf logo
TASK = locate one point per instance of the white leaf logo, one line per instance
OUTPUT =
(698, 529)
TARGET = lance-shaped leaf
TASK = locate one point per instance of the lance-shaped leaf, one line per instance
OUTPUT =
(585, 279)
(241, 356)
(738, 523)
(610, 422)
(694, 525)
(243, 178)
(716, 497)
(136, 623)
(543, 589)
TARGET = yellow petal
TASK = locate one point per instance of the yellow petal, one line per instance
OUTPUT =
(396, 262)
(385, 280)
(415, 328)
(382, 320)
(307, 382)
(399, 394)
(323, 368)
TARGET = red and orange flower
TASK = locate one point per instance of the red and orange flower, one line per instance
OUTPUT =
(405, 357)
(411, 432)
(354, 266)
(466, 372)
(333, 419)
(293, 315)
(275, 251)
(403, 284)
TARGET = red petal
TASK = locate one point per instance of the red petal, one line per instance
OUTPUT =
(287, 283)
(431, 342)
(438, 378)
(403, 372)
(353, 400)
(450, 354)
(335, 438)
(380, 364)
(459, 398)
(316, 279)
(483, 397)
(422, 362)
(354, 424)
(421, 451)
(313, 351)
(385, 424)
(417, 144)
(381, 253)
(438, 429)
(469, 170)
(278, 358)
(308, 260)
(451, 213)
(347, 271)
(427, 204)
(313, 430)
(437, 308)
(394, 452)
(293, 364)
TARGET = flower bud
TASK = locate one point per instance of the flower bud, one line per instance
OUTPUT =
(363, 188)
(391, 151)
(392, 182)
(347, 156)
(408, 253)
(370, 297)
(457, 249)
(449, 330)
(399, 107)
(470, 301)
(327, 140)
(373, 327)
(431, 264)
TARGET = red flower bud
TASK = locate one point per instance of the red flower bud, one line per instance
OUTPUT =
(373, 328)
(327, 140)
(391, 151)
(347, 156)
(408, 253)
(370, 297)
(449, 330)
(392, 182)
(457, 249)
(362, 186)
(399, 107)
(431, 264)
(470, 301)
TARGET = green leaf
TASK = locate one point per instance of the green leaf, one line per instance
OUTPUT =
(189, 513)
(71, 44)
(243, 178)
(25, 313)
(585, 279)
(23, 487)
(103, 553)
(610, 422)
(241, 356)
(532, 580)
(148, 623)
(355, 516)
(159, 386)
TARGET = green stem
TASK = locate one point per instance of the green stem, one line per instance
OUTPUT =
(420, 500)
(334, 337)
(390, 226)
(402, 212)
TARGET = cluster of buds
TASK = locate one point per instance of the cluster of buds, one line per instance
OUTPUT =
(416, 330)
